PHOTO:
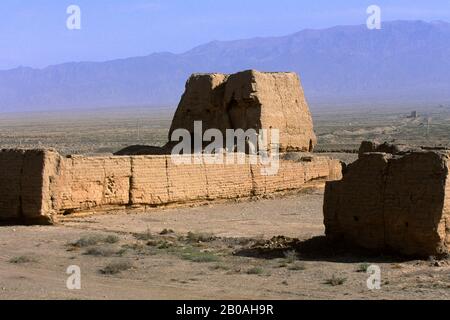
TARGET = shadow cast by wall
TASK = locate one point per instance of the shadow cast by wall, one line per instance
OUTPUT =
(318, 249)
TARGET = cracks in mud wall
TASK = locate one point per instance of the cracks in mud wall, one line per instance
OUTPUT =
(155, 180)
(43, 184)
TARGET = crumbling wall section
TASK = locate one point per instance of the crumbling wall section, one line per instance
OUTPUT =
(395, 202)
(445, 224)
(11, 162)
(24, 185)
(414, 203)
(353, 207)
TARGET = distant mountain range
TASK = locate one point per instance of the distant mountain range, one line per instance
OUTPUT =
(405, 62)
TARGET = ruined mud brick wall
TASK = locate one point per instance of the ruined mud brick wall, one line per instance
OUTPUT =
(445, 225)
(84, 183)
(248, 100)
(89, 183)
(25, 185)
(395, 202)
(38, 186)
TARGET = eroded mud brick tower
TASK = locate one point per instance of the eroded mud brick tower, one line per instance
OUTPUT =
(248, 100)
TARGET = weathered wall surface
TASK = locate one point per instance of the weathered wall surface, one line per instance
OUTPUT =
(149, 183)
(353, 207)
(202, 101)
(11, 163)
(85, 183)
(392, 202)
(414, 200)
(248, 100)
(42, 184)
(445, 225)
(158, 181)
(24, 185)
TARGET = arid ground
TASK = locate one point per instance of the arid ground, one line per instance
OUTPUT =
(207, 252)
(225, 250)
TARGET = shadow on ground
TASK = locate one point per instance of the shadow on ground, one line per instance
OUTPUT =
(316, 249)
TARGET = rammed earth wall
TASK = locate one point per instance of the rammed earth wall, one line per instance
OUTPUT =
(398, 202)
(39, 185)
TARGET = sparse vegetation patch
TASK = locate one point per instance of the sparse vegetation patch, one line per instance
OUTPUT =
(200, 237)
(363, 267)
(94, 239)
(335, 281)
(22, 260)
(255, 270)
(116, 267)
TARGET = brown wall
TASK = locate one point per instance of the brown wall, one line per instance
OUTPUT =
(10, 177)
(413, 202)
(24, 185)
(445, 224)
(149, 184)
(392, 202)
(353, 207)
(44, 184)
(85, 183)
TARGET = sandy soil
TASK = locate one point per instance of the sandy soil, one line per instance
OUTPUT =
(217, 260)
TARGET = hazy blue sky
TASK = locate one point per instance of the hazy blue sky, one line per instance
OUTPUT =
(34, 33)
